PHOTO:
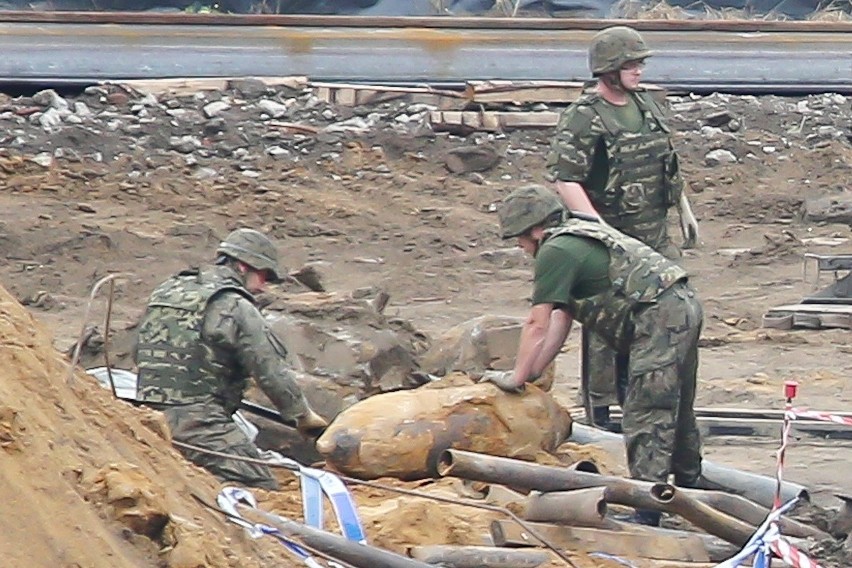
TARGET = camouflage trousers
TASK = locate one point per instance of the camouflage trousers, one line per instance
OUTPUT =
(605, 369)
(210, 426)
(659, 424)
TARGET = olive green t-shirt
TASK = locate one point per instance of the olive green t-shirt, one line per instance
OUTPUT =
(628, 116)
(569, 267)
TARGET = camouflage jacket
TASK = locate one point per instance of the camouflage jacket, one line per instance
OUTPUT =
(201, 338)
(643, 177)
(638, 275)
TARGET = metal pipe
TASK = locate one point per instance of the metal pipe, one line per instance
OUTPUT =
(587, 466)
(335, 545)
(581, 508)
(478, 556)
(107, 325)
(757, 488)
(672, 500)
(752, 513)
(653, 543)
(637, 494)
(78, 347)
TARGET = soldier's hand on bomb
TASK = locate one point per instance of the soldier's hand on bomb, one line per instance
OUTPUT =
(503, 379)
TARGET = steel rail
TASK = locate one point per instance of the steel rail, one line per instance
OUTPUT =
(83, 17)
(805, 60)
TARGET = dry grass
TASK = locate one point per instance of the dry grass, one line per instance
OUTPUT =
(635, 9)
(833, 11)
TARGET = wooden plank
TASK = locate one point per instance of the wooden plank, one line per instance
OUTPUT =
(491, 121)
(814, 308)
(354, 94)
(189, 86)
(529, 92)
(809, 316)
(658, 544)
(522, 92)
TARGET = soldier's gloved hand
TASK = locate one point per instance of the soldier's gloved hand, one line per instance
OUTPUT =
(310, 424)
(503, 379)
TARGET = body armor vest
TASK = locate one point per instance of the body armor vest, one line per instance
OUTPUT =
(637, 273)
(175, 365)
(644, 178)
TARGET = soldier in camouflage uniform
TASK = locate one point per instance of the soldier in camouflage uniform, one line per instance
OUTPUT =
(636, 300)
(200, 340)
(612, 156)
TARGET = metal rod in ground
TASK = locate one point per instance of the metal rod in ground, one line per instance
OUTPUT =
(78, 347)
(335, 545)
(107, 319)
(758, 488)
(412, 493)
(478, 556)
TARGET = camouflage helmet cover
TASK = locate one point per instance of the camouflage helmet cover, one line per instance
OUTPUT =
(613, 47)
(253, 248)
(525, 208)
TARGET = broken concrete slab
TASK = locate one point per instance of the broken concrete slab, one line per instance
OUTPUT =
(486, 342)
(829, 209)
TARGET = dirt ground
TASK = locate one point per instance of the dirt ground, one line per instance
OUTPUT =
(377, 207)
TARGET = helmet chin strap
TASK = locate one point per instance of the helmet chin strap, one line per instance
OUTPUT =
(613, 81)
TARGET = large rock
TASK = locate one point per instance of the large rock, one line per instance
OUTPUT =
(487, 342)
(348, 339)
(829, 209)
(402, 434)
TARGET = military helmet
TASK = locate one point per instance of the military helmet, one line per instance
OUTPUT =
(613, 47)
(253, 248)
(525, 208)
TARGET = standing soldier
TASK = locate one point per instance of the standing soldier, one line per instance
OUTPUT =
(200, 340)
(630, 296)
(612, 156)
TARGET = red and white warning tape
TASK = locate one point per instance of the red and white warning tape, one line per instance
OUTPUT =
(823, 416)
(791, 555)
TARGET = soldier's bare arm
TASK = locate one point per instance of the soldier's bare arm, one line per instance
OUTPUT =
(533, 336)
(557, 332)
(575, 197)
(571, 156)
(234, 323)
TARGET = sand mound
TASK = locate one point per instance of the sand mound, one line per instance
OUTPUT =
(92, 481)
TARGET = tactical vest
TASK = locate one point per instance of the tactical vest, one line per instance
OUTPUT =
(175, 366)
(638, 275)
(644, 178)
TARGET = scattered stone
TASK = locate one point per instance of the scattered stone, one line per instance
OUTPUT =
(720, 156)
(215, 108)
(717, 119)
(273, 108)
(249, 88)
(49, 98)
(469, 159)
(118, 98)
(85, 208)
(184, 144)
(44, 159)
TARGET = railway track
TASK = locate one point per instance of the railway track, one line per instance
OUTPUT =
(698, 56)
